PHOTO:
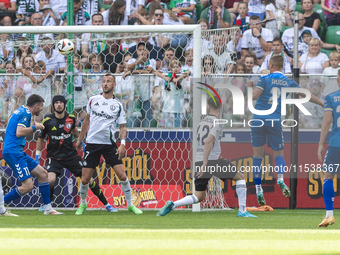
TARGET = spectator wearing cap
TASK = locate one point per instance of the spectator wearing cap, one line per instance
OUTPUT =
(52, 58)
(55, 9)
(304, 39)
(288, 37)
(37, 20)
(48, 20)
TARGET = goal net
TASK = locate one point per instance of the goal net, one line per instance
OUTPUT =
(160, 115)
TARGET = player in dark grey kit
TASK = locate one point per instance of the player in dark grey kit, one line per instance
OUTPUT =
(59, 128)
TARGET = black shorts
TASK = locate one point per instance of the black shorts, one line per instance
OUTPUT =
(74, 165)
(229, 172)
(93, 152)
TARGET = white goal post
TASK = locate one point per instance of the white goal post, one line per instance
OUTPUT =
(195, 30)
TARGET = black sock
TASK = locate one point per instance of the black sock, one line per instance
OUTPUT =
(51, 193)
(98, 192)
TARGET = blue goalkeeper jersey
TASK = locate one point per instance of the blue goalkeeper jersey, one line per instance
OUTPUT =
(332, 103)
(265, 100)
(20, 117)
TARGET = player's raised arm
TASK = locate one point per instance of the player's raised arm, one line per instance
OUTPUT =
(313, 99)
(83, 132)
(24, 131)
(257, 91)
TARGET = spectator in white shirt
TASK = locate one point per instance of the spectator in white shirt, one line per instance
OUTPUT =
(277, 50)
(314, 61)
(329, 78)
(256, 39)
(88, 47)
(52, 58)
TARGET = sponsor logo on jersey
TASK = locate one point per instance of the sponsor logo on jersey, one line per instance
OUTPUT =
(103, 114)
(54, 128)
(61, 125)
(61, 137)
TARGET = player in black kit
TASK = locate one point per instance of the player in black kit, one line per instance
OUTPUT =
(59, 128)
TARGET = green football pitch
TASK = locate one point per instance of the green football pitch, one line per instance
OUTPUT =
(180, 232)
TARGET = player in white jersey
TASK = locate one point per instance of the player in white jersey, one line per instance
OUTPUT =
(208, 158)
(102, 113)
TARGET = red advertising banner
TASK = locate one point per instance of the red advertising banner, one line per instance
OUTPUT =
(160, 171)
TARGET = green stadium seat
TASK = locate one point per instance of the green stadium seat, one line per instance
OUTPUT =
(299, 8)
(326, 51)
(319, 10)
(333, 34)
(199, 9)
(283, 29)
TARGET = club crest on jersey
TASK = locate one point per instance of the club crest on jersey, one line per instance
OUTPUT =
(112, 107)
(68, 125)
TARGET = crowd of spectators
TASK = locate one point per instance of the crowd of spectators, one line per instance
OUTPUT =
(153, 70)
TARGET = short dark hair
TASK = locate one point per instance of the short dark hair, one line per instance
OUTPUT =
(278, 39)
(110, 74)
(98, 14)
(255, 17)
(142, 43)
(211, 102)
(34, 99)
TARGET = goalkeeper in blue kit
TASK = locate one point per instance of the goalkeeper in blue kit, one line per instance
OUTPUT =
(23, 166)
(265, 130)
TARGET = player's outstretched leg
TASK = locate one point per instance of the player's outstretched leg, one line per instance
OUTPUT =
(280, 165)
(188, 200)
(257, 173)
(241, 191)
(99, 193)
(328, 197)
(3, 211)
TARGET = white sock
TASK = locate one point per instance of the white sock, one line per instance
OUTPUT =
(188, 200)
(48, 207)
(280, 177)
(241, 191)
(83, 193)
(329, 213)
(2, 203)
(127, 191)
(107, 205)
(258, 188)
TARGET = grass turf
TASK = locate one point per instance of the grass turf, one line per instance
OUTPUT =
(100, 232)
